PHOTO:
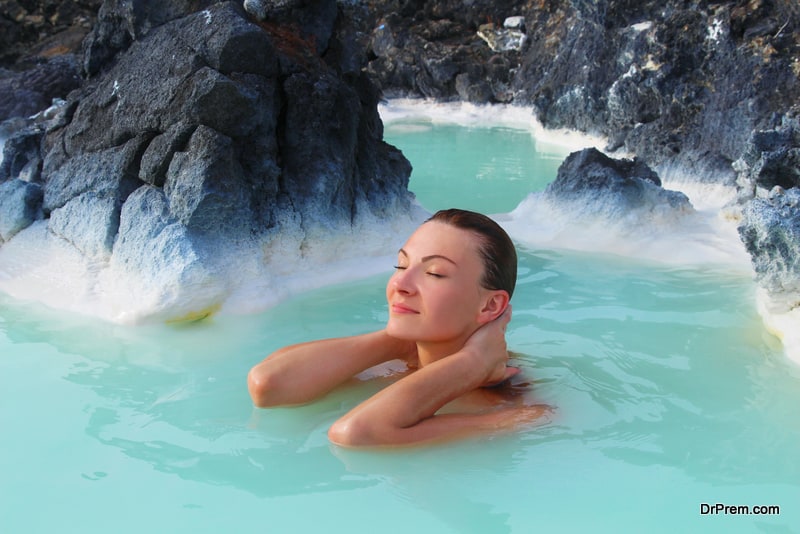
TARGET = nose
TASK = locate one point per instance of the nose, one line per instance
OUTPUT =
(403, 281)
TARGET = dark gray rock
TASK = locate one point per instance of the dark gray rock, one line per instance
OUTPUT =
(89, 222)
(27, 92)
(771, 158)
(678, 85)
(151, 240)
(122, 22)
(22, 156)
(34, 30)
(222, 104)
(163, 272)
(112, 172)
(158, 154)
(770, 230)
(205, 186)
(310, 21)
(202, 132)
(20, 206)
(222, 86)
(591, 182)
(476, 91)
(441, 54)
(320, 168)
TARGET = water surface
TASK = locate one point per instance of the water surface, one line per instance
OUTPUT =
(668, 394)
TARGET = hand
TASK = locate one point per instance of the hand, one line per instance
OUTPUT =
(488, 343)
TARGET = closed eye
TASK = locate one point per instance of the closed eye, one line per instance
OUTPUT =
(436, 275)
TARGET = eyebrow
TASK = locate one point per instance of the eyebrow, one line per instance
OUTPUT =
(429, 258)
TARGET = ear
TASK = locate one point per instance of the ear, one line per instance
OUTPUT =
(495, 304)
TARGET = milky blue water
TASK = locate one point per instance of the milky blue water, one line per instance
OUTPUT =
(668, 394)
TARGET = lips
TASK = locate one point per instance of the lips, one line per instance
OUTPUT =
(402, 309)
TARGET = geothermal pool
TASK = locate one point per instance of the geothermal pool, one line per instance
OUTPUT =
(669, 392)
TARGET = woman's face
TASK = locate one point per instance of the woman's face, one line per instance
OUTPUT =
(435, 294)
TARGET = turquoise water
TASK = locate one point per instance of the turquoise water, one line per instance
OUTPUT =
(668, 391)
(487, 170)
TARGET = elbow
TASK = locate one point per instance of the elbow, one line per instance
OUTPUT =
(353, 432)
(260, 385)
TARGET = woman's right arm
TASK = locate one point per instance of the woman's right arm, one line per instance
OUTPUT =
(301, 373)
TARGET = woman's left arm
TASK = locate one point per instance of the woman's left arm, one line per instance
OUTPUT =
(404, 413)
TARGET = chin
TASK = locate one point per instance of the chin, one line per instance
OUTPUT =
(397, 332)
(409, 329)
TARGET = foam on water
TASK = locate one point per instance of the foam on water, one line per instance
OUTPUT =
(694, 238)
(249, 276)
(484, 116)
(784, 325)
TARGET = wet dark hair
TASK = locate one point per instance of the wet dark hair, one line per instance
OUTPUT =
(496, 249)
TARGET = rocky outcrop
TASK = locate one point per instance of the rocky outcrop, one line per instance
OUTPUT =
(702, 89)
(434, 50)
(271, 119)
(589, 182)
(769, 196)
(19, 207)
(680, 85)
(200, 129)
(39, 52)
(616, 206)
(771, 232)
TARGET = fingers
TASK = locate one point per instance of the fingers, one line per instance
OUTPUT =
(508, 372)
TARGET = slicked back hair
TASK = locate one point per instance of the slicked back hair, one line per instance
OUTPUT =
(496, 248)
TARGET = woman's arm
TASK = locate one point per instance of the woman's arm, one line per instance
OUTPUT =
(403, 413)
(300, 373)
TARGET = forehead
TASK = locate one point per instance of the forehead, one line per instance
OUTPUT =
(437, 238)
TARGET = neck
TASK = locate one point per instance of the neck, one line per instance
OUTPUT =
(430, 352)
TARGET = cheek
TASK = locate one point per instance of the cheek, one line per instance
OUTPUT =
(452, 304)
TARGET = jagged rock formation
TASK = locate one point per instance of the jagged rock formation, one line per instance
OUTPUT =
(769, 172)
(589, 182)
(679, 84)
(39, 45)
(697, 88)
(199, 129)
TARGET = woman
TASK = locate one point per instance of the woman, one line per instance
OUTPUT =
(448, 311)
